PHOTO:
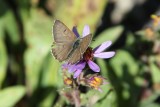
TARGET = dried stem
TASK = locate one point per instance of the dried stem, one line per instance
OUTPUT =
(76, 98)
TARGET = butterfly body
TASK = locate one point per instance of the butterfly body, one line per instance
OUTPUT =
(76, 43)
(68, 47)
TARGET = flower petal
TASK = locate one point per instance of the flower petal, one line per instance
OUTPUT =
(93, 66)
(77, 73)
(105, 55)
(71, 69)
(80, 65)
(86, 31)
(66, 66)
(74, 29)
(102, 47)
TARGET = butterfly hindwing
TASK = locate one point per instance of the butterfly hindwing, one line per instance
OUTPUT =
(85, 42)
(61, 51)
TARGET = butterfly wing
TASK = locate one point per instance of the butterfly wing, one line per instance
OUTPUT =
(79, 51)
(63, 40)
(61, 51)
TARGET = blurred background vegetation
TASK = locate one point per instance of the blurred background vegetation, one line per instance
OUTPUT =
(31, 77)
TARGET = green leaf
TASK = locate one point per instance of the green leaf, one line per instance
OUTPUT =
(149, 102)
(107, 98)
(38, 35)
(130, 39)
(124, 62)
(3, 9)
(102, 65)
(109, 101)
(96, 98)
(51, 72)
(154, 70)
(11, 27)
(152, 105)
(3, 61)
(47, 102)
(1, 27)
(10, 96)
(111, 34)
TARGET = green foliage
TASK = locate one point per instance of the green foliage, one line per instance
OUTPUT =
(39, 42)
(11, 27)
(31, 77)
(155, 70)
(11, 95)
(149, 102)
(111, 34)
(123, 78)
(124, 62)
(3, 62)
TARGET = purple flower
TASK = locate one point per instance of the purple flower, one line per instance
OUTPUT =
(90, 54)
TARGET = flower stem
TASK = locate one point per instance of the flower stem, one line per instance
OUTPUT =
(76, 97)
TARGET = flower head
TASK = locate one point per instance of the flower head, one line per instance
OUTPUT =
(97, 52)
(90, 54)
(96, 81)
(149, 33)
(68, 81)
(156, 20)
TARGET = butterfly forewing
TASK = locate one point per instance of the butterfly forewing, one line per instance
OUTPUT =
(85, 42)
(63, 41)
(77, 55)
(62, 34)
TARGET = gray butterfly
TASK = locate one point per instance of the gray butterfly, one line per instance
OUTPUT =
(68, 47)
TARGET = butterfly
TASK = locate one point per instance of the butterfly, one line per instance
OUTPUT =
(67, 46)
